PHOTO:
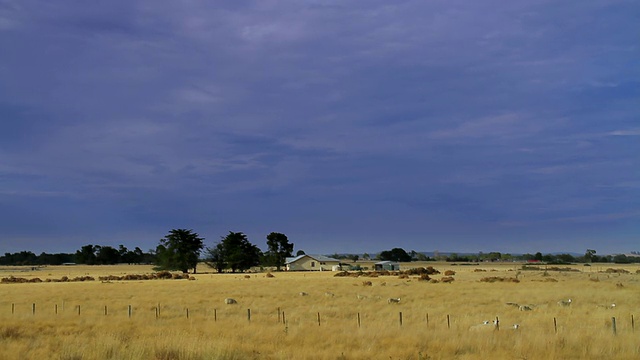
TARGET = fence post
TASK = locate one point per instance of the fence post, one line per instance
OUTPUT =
(157, 312)
(55, 309)
(318, 318)
(448, 322)
(129, 311)
(359, 320)
(497, 323)
(400, 318)
(427, 319)
(283, 318)
(78, 309)
(555, 325)
(105, 310)
(13, 308)
(187, 313)
(248, 314)
(613, 324)
(33, 308)
(633, 324)
(215, 314)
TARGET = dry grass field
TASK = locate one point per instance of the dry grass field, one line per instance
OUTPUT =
(338, 318)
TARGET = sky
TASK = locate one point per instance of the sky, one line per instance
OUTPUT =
(349, 126)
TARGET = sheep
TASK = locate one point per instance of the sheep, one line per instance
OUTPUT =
(393, 301)
(302, 293)
(525, 307)
(361, 297)
(485, 326)
(329, 294)
(230, 301)
(564, 302)
(610, 306)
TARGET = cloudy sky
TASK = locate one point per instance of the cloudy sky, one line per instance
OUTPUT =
(350, 126)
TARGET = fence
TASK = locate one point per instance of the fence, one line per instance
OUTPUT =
(278, 314)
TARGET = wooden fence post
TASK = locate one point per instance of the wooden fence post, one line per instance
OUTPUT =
(555, 325)
(129, 311)
(33, 309)
(359, 320)
(633, 324)
(448, 322)
(427, 319)
(613, 325)
(248, 314)
(78, 309)
(284, 318)
(55, 309)
(497, 323)
(215, 314)
(13, 308)
(400, 318)
(187, 313)
(105, 310)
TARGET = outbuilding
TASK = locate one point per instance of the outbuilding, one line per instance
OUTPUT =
(312, 263)
(387, 265)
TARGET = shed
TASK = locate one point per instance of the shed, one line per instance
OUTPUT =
(312, 263)
(387, 265)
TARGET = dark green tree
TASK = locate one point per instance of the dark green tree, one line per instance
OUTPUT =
(590, 255)
(395, 254)
(279, 248)
(235, 252)
(107, 255)
(86, 255)
(179, 250)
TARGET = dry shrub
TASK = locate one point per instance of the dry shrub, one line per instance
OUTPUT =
(341, 274)
(429, 270)
(550, 280)
(403, 276)
(367, 283)
(247, 276)
(449, 272)
(163, 275)
(424, 277)
(479, 270)
(492, 279)
(447, 279)
(269, 275)
(616, 271)
(434, 281)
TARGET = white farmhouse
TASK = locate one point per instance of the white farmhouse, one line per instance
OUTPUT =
(312, 263)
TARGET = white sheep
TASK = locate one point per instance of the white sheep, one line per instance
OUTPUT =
(564, 302)
(230, 301)
(393, 301)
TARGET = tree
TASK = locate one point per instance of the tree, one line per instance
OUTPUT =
(395, 254)
(86, 255)
(235, 252)
(179, 250)
(589, 255)
(279, 249)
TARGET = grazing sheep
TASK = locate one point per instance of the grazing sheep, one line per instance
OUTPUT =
(393, 301)
(514, 327)
(564, 302)
(361, 297)
(610, 306)
(230, 301)
(485, 326)
(302, 293)
(525, 307)
(329, 294)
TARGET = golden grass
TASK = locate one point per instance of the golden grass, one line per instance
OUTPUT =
(214, 330)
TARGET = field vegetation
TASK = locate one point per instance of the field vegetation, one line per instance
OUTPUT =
(317, 315)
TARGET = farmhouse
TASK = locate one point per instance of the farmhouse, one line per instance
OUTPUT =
(387, 265)
(312, 262)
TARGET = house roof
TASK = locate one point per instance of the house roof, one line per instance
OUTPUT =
(386, 262)
(320, 258)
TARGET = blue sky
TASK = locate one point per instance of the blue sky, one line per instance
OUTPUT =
(350, 126)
